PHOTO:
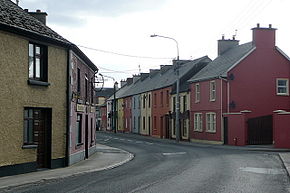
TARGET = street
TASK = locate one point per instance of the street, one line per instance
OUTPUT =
(161, 166)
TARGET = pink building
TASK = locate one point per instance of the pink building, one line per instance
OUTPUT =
(234, 97)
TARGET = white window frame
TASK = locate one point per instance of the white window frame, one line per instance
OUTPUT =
(285, 87)
(212, 90)
(197, 93)
(198, 122)
(211, 122)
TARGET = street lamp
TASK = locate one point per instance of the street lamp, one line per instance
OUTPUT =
(177, 109)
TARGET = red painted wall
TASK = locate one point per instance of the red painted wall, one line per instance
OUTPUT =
(254, 84)
(127, 114)
(237, 132)
(160, 107)
(204, 106)
(281, 127)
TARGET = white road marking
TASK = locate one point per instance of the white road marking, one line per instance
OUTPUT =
(129, 140)
(173, 153)
(122, 139)
(106, 139)
(116, 138)
(263, 170)
(138, 141)
(148, 143)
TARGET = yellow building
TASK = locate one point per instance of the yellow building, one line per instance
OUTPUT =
(34, 63)
(120, 114)
(146, 120)
(184, 115)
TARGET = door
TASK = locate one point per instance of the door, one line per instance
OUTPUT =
(87, 137)
(260, 130)
(42, 136)
(225, 130)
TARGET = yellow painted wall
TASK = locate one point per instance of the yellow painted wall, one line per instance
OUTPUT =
(120, 110)
(146, 112)
(15, 94)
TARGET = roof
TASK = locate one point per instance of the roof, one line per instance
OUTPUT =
(219, 66)
(162, 79)
(105, 92)
(15, 20)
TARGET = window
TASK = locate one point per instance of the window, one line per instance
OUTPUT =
(282, 86)
(92, 129)
(174, 127)
(184, 128)
(197, 92)
(174, 104)
(197, 122)
(86, 87)
(79, 129)
(28, 127)
(134, 105)
(212, 91)
(79, 81)
(144, 101)
(143, 123)
(37, 62)
(184, 103)
(211, 122)
(134, 126)
(149, 100)
(155, 99)
(149, 123)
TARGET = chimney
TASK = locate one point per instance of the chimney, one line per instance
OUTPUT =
(224, 45)
(264, 37)
(152, 72)
(164, 68)
(144, 76)
(123, 83)
(135, 78)
(41, 16)
(129, 81)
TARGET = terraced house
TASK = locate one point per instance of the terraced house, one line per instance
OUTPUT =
(35, 101)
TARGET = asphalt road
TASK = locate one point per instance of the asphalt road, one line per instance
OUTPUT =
(161, 166)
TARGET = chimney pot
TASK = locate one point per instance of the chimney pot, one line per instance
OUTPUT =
(38, 11)
(258, 25)
(270, 25)
(26, 10)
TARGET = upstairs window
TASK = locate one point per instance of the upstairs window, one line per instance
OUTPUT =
(197, 92)
(212, 88)
(184, 103)
(282, 86)
(37, 62)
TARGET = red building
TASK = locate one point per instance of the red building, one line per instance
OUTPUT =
(234, 97)
(160, 112)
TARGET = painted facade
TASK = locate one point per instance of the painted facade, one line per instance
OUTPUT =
(16, 100)
(136, 113)
(146, 119)
(128, 114)
(120, 115)
(184, 100)
(160, 112)
(83, 110)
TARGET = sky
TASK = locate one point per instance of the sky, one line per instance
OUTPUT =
(115, 34)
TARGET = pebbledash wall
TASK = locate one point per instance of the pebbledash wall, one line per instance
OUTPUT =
(82, 104)
(16, 94)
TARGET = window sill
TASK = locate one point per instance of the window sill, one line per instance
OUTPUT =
(198, 131)
(32, 146)
(281, 94)
(211, 131)
(212, 100)
(37, 82)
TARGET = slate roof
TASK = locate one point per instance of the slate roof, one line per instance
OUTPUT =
(219, 66)
(15, 20)
(105, 92)
(161, 80)
(14, 17)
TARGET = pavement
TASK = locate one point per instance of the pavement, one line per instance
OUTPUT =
(105, 158)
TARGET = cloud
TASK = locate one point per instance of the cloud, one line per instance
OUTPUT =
(67, 12)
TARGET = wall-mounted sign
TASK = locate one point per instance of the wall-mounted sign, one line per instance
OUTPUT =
(81, 108)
